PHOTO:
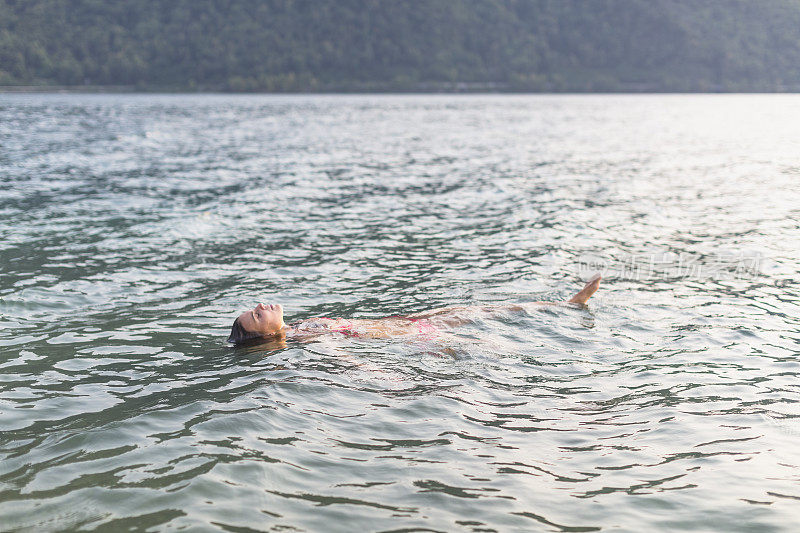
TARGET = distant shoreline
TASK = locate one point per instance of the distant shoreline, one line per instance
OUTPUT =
(428, 89)
(437, 46)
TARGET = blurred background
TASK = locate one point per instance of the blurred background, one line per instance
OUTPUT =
(425, 45)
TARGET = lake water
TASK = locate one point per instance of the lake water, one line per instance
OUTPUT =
(134, 229)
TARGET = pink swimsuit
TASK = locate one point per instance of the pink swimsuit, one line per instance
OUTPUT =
(345, 329)
(424, 327)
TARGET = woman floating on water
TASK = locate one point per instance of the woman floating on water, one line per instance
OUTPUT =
(266, 321)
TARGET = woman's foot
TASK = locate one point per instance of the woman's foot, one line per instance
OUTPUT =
(587, 291)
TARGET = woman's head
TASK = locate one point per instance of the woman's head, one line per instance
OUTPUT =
(259, 322)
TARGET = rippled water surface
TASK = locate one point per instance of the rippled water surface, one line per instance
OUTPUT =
(134, 228)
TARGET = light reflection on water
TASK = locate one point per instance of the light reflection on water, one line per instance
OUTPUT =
(134, 228)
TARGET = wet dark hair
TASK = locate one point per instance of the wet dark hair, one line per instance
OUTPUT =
(239, 335)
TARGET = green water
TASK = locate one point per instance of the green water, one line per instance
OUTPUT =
(134, 228)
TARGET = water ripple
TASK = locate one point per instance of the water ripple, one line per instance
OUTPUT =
(133, 228)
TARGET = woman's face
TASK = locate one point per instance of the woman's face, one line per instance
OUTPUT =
(264, 319)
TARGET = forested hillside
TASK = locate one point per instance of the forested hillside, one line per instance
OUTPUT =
(363, 45)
